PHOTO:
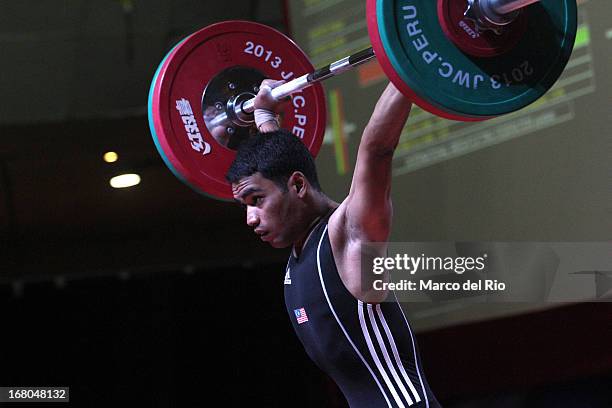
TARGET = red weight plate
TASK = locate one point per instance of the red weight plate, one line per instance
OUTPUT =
(463, 33)
(175, 110)
(387, 66)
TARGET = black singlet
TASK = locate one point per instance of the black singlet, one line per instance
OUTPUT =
(369, 350)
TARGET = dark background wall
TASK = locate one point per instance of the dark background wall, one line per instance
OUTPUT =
(157, 296)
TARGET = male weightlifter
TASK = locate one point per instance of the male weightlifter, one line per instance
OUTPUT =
(358, 336)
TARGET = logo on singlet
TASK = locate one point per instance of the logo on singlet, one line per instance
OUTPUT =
(300, 315)
(288, 276)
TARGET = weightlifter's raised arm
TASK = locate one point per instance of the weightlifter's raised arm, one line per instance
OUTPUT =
(368, 205)
(365, 215)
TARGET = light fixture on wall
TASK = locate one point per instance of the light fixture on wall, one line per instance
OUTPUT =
(125, 180)
(110, 157)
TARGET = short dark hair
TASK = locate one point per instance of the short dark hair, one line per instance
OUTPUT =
(275, 155)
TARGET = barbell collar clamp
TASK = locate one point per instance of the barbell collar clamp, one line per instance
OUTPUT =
(504, 7)
(495, 14)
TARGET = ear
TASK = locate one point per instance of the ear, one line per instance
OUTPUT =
(298, 183)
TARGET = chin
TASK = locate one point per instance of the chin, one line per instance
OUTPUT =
(279, 244)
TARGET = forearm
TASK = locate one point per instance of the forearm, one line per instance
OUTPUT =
(383, 131)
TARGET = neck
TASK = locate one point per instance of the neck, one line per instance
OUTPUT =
(320, 206)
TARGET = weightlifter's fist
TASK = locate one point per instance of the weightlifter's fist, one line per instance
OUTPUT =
(266, 107)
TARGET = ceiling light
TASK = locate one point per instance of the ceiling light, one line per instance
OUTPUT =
(110, 157)
(125, 180)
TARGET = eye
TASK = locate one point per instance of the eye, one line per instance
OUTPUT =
(251, 201)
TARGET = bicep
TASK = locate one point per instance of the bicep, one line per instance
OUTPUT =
(368, 207)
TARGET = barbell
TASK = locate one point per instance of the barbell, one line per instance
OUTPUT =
(466, 60)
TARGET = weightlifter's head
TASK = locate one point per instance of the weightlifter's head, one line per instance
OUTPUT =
(274, 177)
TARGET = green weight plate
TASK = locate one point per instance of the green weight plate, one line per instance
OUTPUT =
(454, 83)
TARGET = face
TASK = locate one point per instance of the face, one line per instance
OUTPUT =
(269, 211)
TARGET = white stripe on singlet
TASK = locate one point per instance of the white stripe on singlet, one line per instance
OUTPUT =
(385, 352)
(381, 369)
(396, 355)
(416, 360)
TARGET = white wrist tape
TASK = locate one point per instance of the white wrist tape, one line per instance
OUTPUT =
(264, 115)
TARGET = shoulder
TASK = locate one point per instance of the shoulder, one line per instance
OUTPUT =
(345, 233)
(347, 247)
(355, 221)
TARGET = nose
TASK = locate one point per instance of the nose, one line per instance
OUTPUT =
(252, 218)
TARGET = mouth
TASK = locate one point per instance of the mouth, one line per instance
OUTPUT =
(263, 235)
